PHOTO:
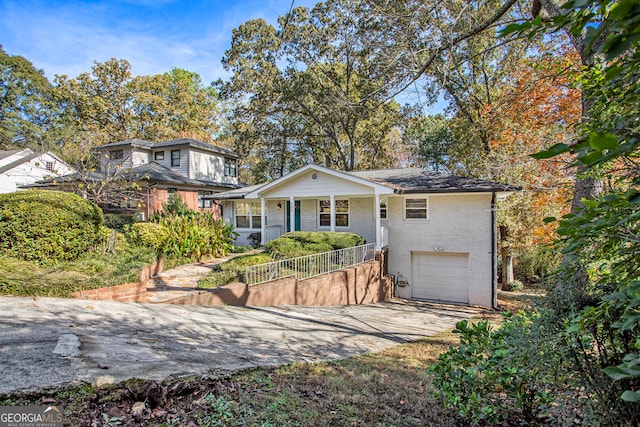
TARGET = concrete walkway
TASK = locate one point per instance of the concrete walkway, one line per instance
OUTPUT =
(180, 281)
(48, 342)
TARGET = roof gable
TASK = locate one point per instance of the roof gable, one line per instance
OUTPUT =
(313, 180)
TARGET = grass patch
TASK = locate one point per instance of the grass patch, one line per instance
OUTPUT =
(92, 270)
(232, 270)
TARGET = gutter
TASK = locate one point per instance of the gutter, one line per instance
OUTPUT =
(494, 270)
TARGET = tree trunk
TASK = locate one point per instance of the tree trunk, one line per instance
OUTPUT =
(507, 259)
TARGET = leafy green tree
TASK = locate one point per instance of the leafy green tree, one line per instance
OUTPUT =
(27, 108)
(109, 105)
(313, 86)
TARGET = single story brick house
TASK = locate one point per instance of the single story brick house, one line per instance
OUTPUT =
(439, 229)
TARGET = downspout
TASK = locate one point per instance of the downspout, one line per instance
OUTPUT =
(494, 271)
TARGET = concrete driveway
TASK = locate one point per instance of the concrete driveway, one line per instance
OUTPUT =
(47, 342)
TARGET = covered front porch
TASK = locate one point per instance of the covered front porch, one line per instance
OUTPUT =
(311, 199)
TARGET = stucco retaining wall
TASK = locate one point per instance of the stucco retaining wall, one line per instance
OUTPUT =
(361, 284)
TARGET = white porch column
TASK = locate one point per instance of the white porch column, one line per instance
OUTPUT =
(332, 202)
(292, 213)
(263, 221)
(376, 210)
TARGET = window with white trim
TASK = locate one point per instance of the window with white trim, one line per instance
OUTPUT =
(175, 158)
(230, 167)
(416, 208)
(248, 215)
(204, 203)
(383, 208)
(342, 213)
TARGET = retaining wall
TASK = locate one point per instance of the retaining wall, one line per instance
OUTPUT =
(128, 292)
(361, 284)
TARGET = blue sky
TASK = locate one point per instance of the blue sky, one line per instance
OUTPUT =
(67, 36)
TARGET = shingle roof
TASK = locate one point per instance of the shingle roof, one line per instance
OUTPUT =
(151, 171)
(5, 154)
(415, 180)
(190, 142)
(237, 193)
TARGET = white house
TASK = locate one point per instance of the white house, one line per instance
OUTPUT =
(23, 167)
(440, 229)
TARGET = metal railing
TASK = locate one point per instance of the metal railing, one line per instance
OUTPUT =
(310, 265)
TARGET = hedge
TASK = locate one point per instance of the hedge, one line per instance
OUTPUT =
(48, 226)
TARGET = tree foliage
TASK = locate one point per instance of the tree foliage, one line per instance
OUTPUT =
(312, 90)
(109, 105)
(27, 107)
(589, 324)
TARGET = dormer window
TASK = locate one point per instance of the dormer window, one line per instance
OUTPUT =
(230, 167)
(158, 155)
(175, 158)
(116, 154)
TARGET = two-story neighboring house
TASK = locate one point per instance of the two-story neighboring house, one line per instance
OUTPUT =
(192, 169)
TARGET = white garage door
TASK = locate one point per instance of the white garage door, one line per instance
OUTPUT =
(440, 277)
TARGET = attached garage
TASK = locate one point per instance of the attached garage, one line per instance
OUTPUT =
(440, 276)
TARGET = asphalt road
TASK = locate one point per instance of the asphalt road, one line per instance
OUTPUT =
(47, 342)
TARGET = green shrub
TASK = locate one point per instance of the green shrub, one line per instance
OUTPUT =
(489, 377)
(48, 226)
(149, 234)
(283, 247)
(337, 240)
(301, 243)
(119, 222)
(232, 270)
(197, 234)
(536, 264)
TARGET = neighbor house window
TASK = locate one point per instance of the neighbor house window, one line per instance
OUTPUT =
(248, 215)
(116, 154)
(383, 209)
(48, 166)
(175, 157)
(204, 203)
(342, 213)
(416, 208)
(159, 155)
(230, 167)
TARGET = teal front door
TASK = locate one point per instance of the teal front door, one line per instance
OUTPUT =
(296, 209)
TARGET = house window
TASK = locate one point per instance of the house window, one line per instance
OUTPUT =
(383, 209)
(230, 167)
(342, 213)
(175, 157)
(116, 154)
(49, 166)
(416, 208)
(159, 155)
(204, 203)
(248, 215)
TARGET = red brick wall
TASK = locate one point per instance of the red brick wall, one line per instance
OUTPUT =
(190, 197)
(129, 292)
